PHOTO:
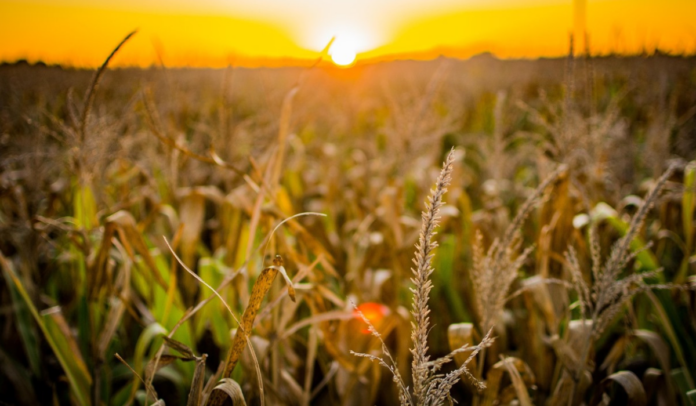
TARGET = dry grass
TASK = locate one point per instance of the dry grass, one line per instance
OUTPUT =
(429, 387)
(222, 161)
(492, 274)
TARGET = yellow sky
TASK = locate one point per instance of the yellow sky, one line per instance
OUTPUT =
(264, 32)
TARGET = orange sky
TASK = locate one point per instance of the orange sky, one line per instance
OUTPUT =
(269, 32)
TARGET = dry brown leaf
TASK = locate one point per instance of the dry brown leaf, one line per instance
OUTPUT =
(629, 382)
(228, 389)
(125, 225)
(195, 397)
(652, 379)
(517, 382)
(182, 348)
(261, 286)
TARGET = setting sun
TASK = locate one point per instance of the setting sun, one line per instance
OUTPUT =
(342, 53)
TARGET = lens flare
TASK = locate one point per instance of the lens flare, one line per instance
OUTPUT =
(374, 312)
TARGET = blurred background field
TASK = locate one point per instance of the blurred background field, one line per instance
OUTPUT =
(214, 160)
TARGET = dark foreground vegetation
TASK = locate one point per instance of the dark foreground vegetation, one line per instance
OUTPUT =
(566, 231)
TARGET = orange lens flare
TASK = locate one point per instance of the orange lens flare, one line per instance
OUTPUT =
(373, 312)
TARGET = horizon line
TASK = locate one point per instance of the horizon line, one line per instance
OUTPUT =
(299, 62)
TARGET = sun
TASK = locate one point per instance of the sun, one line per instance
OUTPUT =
(342, 52)
(349, 39)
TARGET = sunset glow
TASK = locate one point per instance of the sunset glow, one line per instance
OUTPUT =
(342, 53)
(274, 33)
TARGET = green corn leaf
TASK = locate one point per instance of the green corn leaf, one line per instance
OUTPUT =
(79, 380)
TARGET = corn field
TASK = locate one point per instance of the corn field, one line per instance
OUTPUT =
(483, 231)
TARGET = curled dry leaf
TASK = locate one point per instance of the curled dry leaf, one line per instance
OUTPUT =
(631, 385)
(229, 389)
(658, 389)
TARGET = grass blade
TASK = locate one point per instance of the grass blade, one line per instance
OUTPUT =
(79, 380)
